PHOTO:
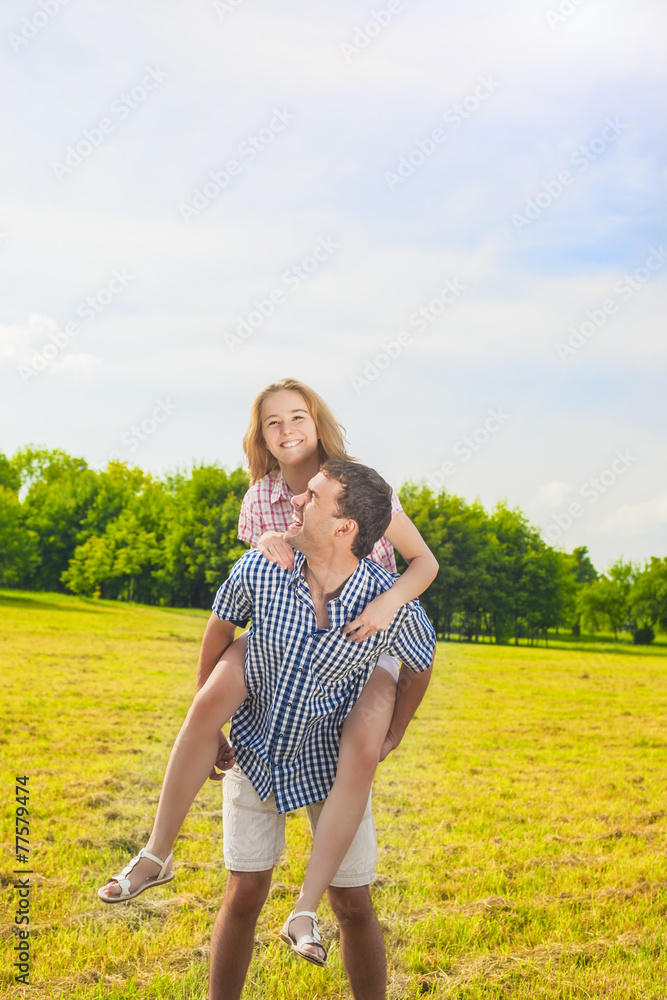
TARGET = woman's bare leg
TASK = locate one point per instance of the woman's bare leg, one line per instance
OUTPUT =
(192, 757)
(361, 742)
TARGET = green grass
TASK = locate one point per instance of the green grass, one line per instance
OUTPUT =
(521, 826)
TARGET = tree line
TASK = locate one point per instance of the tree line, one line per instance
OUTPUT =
(499, 580)
(121, 533)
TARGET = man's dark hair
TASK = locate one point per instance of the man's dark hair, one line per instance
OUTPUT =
(365, 498)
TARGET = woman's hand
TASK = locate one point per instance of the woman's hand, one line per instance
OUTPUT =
(273, 547)
(376, 617)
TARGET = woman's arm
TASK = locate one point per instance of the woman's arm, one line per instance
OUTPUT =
(422, 564)
(422, 571)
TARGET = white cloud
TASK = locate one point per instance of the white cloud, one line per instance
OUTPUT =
(634, 519)
(81, 367)
(554, 494)
(496, 345)
(19, 340)
(10, 344)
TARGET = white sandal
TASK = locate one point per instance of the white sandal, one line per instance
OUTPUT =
(160, 879)
(315, 938)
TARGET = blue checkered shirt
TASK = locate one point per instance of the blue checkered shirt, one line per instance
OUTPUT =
(302, 681)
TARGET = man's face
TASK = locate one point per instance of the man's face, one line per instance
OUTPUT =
(315, 521)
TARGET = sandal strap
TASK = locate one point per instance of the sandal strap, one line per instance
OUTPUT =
(143, 853)
(306, 938)
(124, 882)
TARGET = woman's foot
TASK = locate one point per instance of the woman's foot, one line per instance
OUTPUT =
(143, 872)
(301, 932)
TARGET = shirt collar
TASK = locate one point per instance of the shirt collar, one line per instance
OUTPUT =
(279, 488)
(297, 572)
(355, 585)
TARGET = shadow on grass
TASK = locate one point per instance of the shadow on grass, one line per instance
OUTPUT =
(72, 602)
(35, 604)
(586, 644)
(197, 612)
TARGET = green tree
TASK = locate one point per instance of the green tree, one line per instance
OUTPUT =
(201, 544)
(10, 477)
(456, 534)
(581, 566)
(551, 589)
(59, 491)
(469, 533)
(169, 542)
(606, 601)
(509, 570)
(583, 571)
(648, 597)
(90, 567)
(123, 561)
(116, 488)
(137, 556)
(19, 553)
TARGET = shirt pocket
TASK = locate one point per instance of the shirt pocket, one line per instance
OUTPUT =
(336, 657)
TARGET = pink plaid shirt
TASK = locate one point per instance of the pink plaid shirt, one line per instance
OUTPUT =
(267, 507)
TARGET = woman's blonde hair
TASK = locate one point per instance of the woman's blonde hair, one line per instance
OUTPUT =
(331, 433)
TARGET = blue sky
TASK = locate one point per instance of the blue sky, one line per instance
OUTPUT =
(387, 154)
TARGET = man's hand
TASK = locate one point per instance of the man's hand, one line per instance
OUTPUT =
(226, 758)
(273, 547)
(411, 689)
(376, 617)
(391, 741)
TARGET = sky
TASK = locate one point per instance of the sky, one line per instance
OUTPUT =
(448, 219)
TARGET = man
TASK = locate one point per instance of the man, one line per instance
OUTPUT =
(303, 675)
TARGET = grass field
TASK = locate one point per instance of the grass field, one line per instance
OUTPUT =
(521, 826)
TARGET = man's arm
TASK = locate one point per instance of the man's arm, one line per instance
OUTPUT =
(218, 635)
(411, 689)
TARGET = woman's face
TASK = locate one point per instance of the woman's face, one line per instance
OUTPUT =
(289, 430)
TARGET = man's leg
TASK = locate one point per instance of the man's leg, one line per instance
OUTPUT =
(361, 941)
(234, 932)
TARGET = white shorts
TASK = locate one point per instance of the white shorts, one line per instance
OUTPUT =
(389, 663)
(254, 833)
